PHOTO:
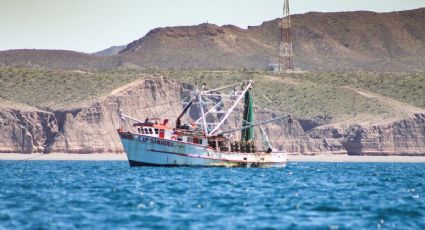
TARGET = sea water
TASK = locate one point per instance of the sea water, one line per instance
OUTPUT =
(111, 195)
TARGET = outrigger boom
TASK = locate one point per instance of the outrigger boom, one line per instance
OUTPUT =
(244, 90)
(289, 116)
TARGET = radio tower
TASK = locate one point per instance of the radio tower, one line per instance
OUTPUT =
(286, 53)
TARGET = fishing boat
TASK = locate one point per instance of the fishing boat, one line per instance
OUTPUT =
(204, 141)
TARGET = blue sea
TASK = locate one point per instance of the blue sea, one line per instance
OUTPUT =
(111, 195)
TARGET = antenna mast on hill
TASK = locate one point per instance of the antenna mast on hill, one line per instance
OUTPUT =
(286, 53)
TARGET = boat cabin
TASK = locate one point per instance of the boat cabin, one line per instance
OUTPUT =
(154, 127)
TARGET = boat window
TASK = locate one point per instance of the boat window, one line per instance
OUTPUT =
(156, 131)
(179, 138)
(138, 129)
(146, 130)
(189, 139)
(212, 144)
(200, 141)
(150, 131)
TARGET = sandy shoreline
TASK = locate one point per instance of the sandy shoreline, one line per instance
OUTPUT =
(291, 158)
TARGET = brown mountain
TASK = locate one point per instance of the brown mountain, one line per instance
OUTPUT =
(109, 51)
(343, 41)
(55, 59)
(322, 41)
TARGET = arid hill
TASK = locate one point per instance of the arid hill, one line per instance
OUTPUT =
(55, 59)
(322, 42)
(343, 41)
(111, 51)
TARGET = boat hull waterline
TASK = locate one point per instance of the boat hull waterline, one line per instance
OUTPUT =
(145, 150)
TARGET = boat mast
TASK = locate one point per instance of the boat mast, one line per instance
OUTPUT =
(201, 107)
(215, 108)
(245, 89)
(248, 117)
(178, 120)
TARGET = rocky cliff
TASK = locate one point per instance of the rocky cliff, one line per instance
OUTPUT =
(92, 127)
(24, 129)
(404, 137)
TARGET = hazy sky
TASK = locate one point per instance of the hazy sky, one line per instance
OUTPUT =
(92, 25)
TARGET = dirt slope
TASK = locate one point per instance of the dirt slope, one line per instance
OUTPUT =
(109, 51)
(343, 41)
(54, 59)
(323, 42)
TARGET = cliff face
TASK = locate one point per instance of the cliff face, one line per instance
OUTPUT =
(405, 137)
(92, 127)
(26, 131)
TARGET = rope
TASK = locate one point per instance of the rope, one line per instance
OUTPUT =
(165, 103)
(32, 157)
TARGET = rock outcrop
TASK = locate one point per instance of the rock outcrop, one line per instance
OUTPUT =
(26, 130)
(404, 137)
(92, 127)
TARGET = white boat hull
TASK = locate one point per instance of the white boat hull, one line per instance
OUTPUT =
(145, 150)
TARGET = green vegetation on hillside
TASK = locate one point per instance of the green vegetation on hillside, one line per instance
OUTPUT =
(57, 89)
(405, 87)
(306, 95)
(318, 94)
